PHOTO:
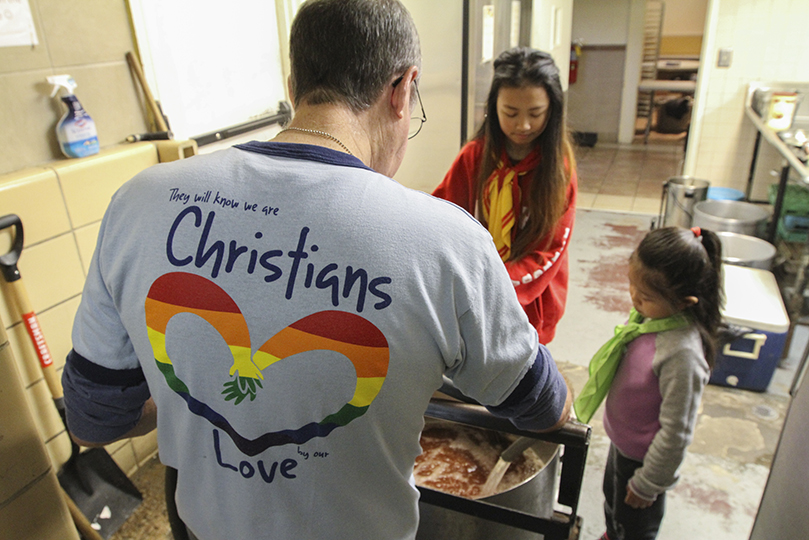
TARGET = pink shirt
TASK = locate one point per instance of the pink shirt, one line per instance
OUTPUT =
(632, 414)
(651, 409)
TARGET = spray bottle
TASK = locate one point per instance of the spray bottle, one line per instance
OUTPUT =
(76, 131)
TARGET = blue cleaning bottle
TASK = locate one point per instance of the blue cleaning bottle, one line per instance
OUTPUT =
(76, 131)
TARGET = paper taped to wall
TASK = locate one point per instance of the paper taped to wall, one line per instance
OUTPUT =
(16, 24)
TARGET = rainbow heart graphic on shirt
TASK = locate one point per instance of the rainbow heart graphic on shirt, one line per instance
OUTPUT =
(346, 333)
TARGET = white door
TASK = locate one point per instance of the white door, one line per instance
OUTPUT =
(551, 30)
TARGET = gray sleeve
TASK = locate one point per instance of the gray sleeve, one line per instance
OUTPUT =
(98, 331)
(494, 345)
(683, 374)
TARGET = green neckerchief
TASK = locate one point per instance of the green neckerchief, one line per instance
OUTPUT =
(606, 360)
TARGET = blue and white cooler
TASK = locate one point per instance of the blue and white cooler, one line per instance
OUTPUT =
(752, 300)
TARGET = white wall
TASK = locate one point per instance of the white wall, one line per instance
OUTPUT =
(770, 42)
(605, 22)
(551, 27)
(632, 68)
(430, 154)
(601, 22)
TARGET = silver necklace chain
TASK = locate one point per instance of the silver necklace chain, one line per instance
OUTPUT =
(322, 134)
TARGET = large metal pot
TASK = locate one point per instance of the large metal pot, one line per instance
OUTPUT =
(534, 495)
(744, 250)
(681, 194)
(731, 216)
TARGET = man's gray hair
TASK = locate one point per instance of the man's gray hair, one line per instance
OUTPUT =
(346, 51)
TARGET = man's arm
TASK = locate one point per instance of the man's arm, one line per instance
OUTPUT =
(543, 399)
(565, 416)
(103, 405)
(147, 422)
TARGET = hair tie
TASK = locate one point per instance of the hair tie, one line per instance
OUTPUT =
(697, 231)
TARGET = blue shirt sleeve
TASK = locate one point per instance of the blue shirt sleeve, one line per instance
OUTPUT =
(102, 404)
(538, 401)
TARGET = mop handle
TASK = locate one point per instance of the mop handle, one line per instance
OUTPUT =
(37, 339)
(8, 267)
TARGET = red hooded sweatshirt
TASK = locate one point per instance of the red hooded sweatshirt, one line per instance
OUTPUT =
(540, 277)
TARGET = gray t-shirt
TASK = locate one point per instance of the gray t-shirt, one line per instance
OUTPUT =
(292, 312)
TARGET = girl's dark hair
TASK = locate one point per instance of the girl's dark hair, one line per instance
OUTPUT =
(546, 200)
(676, 264)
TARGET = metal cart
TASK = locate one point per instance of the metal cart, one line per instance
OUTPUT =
(573, 437)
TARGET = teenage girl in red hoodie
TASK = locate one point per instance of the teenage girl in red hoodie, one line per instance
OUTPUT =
(518, 178)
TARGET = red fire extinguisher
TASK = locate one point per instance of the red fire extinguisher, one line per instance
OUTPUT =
(575, 54)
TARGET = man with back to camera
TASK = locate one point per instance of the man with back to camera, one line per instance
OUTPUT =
(290, 309)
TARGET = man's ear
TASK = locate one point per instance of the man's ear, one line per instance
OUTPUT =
(400, 97)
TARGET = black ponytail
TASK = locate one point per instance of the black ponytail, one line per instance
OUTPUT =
(683, 263)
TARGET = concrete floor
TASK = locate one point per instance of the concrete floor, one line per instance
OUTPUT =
(724, 474)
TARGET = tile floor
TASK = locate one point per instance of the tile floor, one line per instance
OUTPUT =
(726, 475)
(628, 178)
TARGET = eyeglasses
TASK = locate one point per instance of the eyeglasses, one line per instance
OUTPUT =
(415, 121)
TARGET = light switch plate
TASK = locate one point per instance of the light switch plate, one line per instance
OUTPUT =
(725, 56)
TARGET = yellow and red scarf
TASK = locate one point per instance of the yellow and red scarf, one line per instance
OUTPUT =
(502, 199)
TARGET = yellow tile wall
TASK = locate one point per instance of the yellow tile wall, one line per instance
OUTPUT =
(94, 21)
(61, 205)
(88, 40)
(17, 194)
(37, 514)
(22, 456)
(30, 505)
(125, 458)
(88, 185)
(51, 271)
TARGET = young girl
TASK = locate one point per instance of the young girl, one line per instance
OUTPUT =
(518, 178)
(651, 408)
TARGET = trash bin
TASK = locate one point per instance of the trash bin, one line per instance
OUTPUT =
(681, 194)
(674, 115)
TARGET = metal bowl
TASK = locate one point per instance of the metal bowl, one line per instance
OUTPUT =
(731, 216)
(744, 250)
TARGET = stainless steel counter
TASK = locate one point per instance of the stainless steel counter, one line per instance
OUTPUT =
(791, 161)
(793, 295)
(801, 122)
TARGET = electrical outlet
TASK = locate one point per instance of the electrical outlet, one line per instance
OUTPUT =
(725, 56)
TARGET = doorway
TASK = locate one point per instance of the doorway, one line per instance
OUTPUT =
(604, 98)
(672, 43)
